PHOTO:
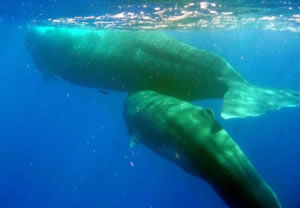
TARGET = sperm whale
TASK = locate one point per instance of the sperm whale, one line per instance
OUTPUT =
(190, 136)
(149, 60)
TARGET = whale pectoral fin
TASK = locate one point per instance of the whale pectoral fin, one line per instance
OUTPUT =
(248, 100)
(133, 142)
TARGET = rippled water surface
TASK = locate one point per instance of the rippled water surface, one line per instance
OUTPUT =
(192, 15)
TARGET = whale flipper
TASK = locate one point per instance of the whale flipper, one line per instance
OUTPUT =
(250, 100)
(133, 142)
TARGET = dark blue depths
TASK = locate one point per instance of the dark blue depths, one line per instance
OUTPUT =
(62, 145)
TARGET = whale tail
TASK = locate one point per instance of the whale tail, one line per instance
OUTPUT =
(250, 100)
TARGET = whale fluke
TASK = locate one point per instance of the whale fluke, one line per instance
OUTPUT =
(191, 137)
(250, 100)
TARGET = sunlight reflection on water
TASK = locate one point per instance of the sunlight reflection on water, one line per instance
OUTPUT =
(192, 16)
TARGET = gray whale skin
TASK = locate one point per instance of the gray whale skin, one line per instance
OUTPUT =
(148, 60)
(191, 137)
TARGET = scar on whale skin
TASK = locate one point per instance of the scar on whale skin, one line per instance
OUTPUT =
(191, 137)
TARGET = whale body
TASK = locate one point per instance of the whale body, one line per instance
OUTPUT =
(191, 137)
(149, 60)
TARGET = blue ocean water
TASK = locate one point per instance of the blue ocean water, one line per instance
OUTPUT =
(63, 145)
